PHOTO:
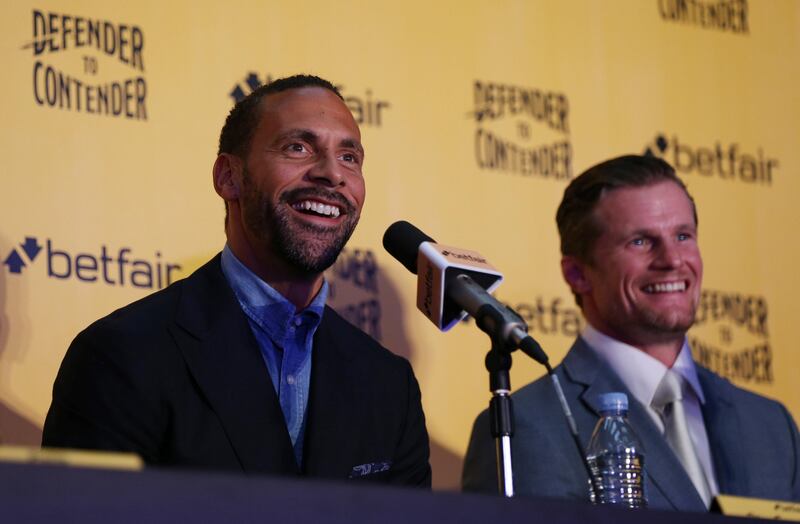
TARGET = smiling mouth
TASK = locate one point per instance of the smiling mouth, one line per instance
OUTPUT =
(665, 287)
(314, 208)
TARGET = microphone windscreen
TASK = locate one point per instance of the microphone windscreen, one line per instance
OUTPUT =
(402, 241)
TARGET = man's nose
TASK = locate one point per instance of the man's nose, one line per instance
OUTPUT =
(327, 170)
(668, 255)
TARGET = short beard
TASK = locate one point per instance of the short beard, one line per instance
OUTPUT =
(308, 248)
(669, 325)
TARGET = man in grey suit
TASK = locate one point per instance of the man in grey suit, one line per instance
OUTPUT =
(628, 230)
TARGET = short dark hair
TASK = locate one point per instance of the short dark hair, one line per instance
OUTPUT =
(243, 119)
(577, 226)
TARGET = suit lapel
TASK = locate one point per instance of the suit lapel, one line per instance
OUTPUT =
(664, 472)
(224, 359)
(333, 407)
(722, 423)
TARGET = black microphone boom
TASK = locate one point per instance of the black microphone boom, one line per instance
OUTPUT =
(462, 293)
(402, 241)
(504, 326)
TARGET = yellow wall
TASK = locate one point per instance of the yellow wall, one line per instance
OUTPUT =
(438, 86)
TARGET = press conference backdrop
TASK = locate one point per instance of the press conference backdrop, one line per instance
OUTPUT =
(474, 116)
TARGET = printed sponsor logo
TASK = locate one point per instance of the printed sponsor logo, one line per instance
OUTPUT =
(353, 290)
(88, 90)
(106, 265)
(367, 109)
(721, 15)
(741, 351)
(548, 316)
(428, 301)
(539, 144)
(730, 162)
(464, 256)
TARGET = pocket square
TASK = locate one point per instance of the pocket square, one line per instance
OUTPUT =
(370, 468)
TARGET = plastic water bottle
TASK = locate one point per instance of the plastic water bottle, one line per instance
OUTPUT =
(615, 456)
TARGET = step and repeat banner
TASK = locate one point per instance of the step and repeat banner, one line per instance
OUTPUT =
(474, 116)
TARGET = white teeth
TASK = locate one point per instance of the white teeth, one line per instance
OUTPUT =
(316, 207)
(666, 287)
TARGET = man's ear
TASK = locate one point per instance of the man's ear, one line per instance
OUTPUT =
(574, 272)
(227, 176)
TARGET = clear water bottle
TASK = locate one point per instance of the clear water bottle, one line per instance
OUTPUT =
(615, 456)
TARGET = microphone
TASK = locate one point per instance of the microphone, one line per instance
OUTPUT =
(454, 282)
(435, 266)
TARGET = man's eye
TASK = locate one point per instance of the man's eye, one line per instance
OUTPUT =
(639, 242)
(296, 148)
(350, 157)
(684, 236)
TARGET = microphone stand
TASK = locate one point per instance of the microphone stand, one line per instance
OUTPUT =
(501, 410)
(501, 413)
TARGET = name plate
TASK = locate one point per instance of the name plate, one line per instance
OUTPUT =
(71, 457)
(759, 508)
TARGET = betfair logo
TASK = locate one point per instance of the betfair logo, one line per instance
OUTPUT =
(15, 261)
(367, 109)
(549, 316)
(727, 162)
(464, 256)
(111, 267)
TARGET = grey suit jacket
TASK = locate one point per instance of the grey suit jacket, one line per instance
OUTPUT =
(754, 441)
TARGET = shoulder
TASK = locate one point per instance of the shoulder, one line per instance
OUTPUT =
(152, 315)
(754, 413)
(140, 319)
(721, 388)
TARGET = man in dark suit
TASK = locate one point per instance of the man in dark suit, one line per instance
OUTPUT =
(628, 230)
(241, 366)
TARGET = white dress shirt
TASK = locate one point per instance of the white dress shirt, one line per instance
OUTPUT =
(642, 374)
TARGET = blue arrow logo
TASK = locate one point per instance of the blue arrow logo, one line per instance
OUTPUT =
(14, 262)
(31, 248)
(660, 144)
(253, 82)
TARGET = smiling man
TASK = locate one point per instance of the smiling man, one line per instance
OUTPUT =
(630, 255)
(242, 366)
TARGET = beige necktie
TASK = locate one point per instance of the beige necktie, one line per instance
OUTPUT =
(668, 401)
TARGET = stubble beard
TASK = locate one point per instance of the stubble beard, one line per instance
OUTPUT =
(308, 248)
(667, 324)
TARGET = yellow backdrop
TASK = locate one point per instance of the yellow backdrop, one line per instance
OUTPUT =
(474, 116)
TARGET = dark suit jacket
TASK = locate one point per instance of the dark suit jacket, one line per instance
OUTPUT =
(178, 378)
(754, 441)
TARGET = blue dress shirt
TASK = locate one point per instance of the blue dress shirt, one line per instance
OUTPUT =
(285, 337)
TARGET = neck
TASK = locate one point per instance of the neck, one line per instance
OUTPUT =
(665, 352)
(662, 346)
(297, 287)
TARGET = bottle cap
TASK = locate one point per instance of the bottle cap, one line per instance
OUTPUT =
(614, 402)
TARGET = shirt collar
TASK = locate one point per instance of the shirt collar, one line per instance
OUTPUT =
(640, 372)
(264, 305)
